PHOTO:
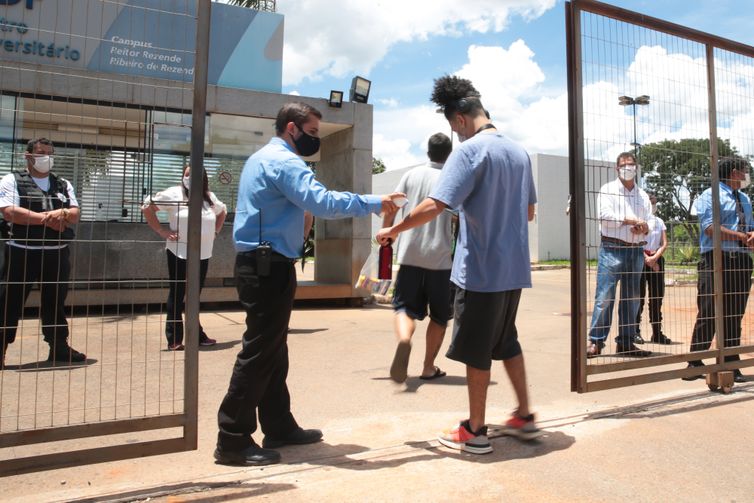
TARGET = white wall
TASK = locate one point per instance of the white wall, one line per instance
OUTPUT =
(549, 234)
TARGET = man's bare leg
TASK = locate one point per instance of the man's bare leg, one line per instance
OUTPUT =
(517, 375)
(435, 335)
(404, 330)
(477, 381)
(404, 327)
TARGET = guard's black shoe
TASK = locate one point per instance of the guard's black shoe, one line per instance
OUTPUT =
(738, 376)
(661, 338)
(693, 377)
(298, 436)
(251, 456)
(631, 350)
(638, 339)
(63, 353)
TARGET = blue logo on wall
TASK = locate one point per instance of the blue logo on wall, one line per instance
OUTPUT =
(29, 3)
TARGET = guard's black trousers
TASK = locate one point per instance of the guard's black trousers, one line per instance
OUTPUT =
(737, 269)
(23, 268)
(259, 374)
(655, 280)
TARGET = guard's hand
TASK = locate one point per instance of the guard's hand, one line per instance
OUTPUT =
(388, 202)
(386, 235)
(750, 239)
(640, 227)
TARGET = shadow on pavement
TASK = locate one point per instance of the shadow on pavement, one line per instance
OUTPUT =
(220, 346)
(306, 330)
(412, 384)
(505, 448)
(679, 405)
(45, 366)
(372, 459)
(660, 408)
(220, 491)
(508, 448)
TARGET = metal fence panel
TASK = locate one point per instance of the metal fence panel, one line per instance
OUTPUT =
(679, 101)
(99, 91)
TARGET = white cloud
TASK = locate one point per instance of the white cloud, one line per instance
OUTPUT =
(389, 102)
(513, 89)
(509, 81)
(401, 134)
(677, 85)
(294, 93)
(337, 38)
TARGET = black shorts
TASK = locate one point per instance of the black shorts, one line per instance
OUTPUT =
(415, 287)
(484, 327)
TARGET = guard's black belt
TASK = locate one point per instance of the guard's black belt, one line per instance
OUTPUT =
(275, 257)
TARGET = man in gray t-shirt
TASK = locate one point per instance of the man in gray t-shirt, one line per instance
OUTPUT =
(425, 262)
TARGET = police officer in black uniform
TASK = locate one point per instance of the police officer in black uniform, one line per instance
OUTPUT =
(40, 208)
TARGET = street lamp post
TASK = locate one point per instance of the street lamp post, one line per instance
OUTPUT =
(628, 100)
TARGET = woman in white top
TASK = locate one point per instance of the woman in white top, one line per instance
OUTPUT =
(175, 202)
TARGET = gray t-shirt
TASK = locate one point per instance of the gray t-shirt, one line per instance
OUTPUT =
(429, 245)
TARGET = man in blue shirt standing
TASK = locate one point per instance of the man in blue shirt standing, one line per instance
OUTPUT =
(275, 190)
(488, 179)
(737, 238)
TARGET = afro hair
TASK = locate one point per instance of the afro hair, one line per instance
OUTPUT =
(449, 89)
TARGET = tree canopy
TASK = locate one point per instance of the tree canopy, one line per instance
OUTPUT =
(677, 172)
(377, 166)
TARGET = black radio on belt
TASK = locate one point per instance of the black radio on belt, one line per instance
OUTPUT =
(263, 253)
(264, 258)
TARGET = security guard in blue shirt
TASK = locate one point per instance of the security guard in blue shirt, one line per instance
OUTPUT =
(275, 190)
(737, 235)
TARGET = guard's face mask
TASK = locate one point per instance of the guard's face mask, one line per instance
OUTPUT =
(306, 144)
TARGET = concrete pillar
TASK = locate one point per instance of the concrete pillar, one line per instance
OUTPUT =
(345, 164)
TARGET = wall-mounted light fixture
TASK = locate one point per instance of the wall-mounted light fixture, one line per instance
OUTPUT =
(336, 99)
(360, 89)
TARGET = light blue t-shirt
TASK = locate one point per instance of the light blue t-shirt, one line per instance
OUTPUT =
(488, 179)
(277, 181)
(728, 217)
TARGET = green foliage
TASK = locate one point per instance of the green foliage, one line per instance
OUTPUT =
(687, 254)
(377, 166)
(678, 171)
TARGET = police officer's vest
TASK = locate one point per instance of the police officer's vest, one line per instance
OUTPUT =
(35, 199)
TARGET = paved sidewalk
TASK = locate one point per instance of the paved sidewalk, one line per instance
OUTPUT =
(669, 441)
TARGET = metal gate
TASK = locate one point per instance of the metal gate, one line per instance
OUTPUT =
(93, 84)
(680, 101)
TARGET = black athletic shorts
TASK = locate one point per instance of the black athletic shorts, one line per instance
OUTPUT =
(485, 327)
(415, 287)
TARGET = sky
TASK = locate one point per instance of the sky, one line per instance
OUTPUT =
(514, 53)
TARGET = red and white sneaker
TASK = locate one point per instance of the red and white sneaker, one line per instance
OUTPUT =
(462, 438)
(521, 427)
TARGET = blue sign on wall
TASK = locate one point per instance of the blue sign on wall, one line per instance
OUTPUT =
(150, 38)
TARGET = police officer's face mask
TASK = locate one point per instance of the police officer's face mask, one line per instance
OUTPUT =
(306, 144)
(43, 163)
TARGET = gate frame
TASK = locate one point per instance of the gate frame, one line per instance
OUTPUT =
(579, 322)
(188, 420)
